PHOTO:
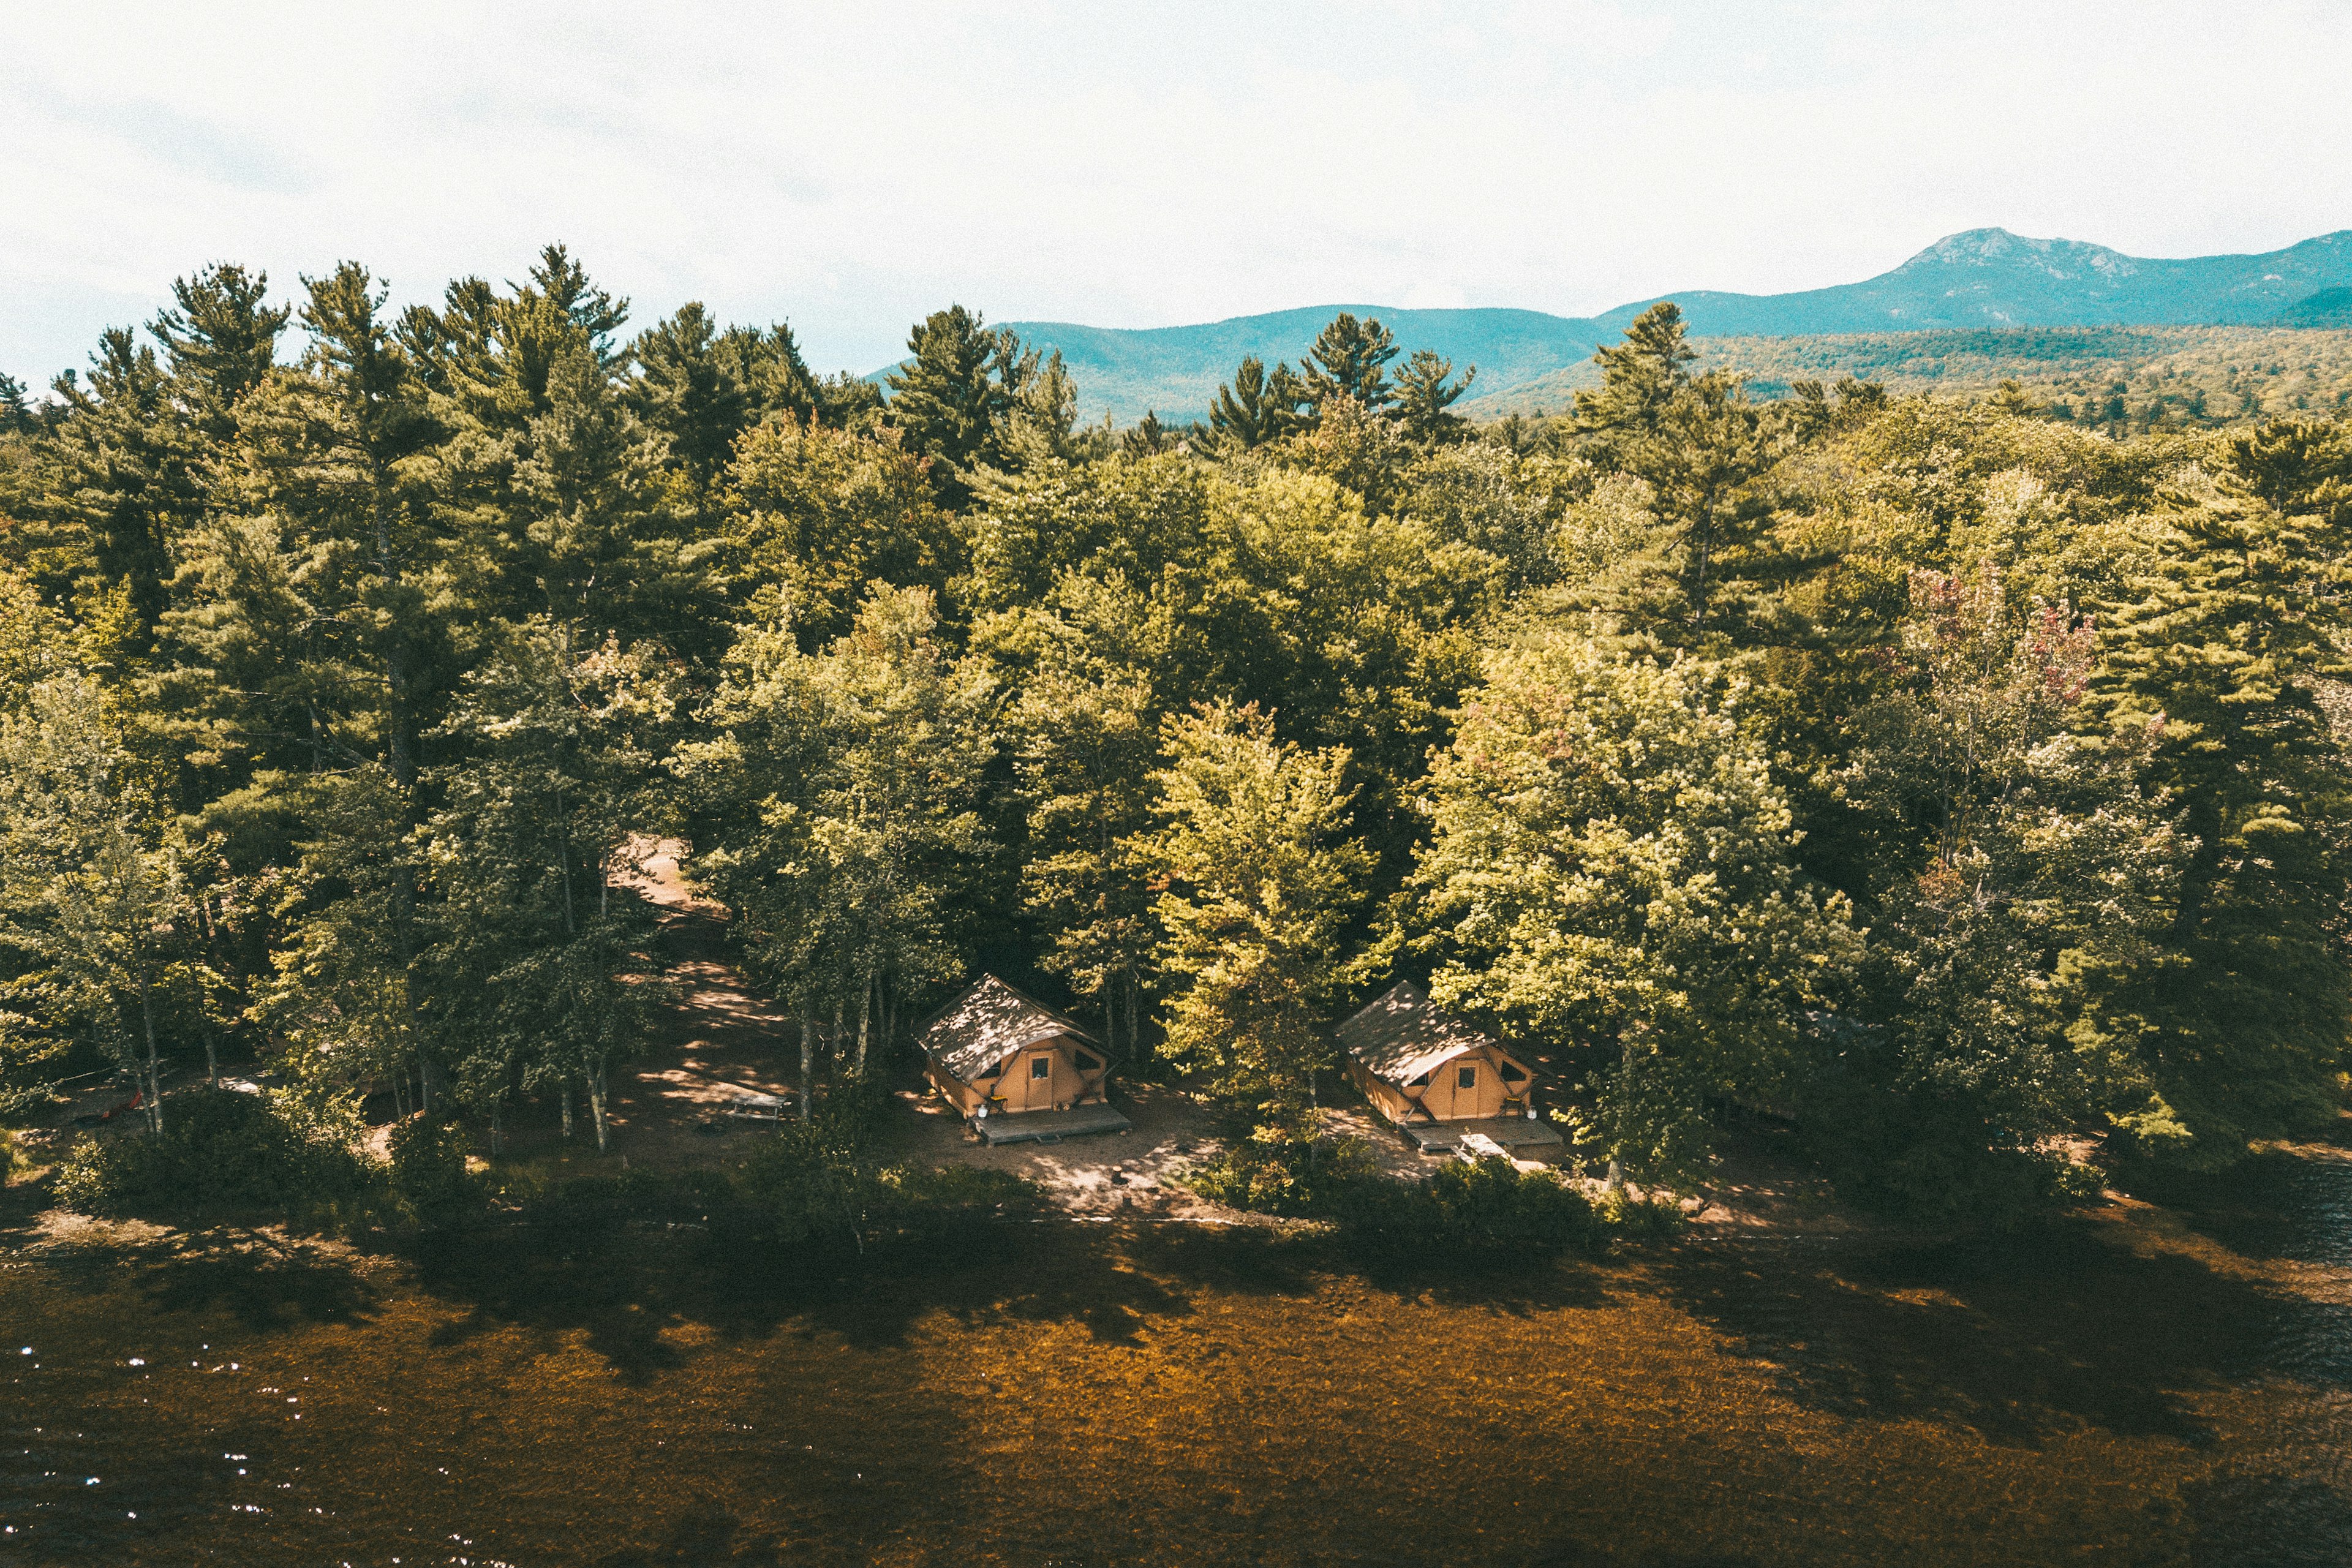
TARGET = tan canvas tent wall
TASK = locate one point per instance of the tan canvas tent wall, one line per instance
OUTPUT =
(1418, 1063)
(996, 1047)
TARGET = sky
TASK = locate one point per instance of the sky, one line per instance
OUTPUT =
(849, 168)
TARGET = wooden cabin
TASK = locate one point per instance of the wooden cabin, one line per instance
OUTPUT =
(994, 1048)
(1419, 1064)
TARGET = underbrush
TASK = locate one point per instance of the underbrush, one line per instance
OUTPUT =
(812, 1189)
(1488, 1206)
(220, 1152)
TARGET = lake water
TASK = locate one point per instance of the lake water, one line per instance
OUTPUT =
(2146, 1388)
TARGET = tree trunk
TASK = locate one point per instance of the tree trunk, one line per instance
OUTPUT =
(155, 1084)
(566, 1101)
(1618, 1136)
(497, 1130)
(596, 1106)
(865, 1018)
(808, 1058)
(212, 1058)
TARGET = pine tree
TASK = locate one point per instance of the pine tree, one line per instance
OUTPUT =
(124, 480)
(1638, 378)
(1257, 405)
(1425, 395)
(950, 396)
(693, 392)
(2239, 1034)
(1700, 444)
(1349, 360)
(220, 341)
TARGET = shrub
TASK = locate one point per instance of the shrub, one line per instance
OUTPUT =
(1472, 1206)
(428, 1170)
(220, 1149)
(809, 1192)
(1285, 1170)
(1461, 1206)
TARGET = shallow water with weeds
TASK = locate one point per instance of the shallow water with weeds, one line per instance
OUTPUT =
(2151, 1385)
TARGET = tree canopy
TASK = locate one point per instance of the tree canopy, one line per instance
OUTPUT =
(1960, 783)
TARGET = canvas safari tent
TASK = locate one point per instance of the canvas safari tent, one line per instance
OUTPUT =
(993, 1052)
(1435, 1076)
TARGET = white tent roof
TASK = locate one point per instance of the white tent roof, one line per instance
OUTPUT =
(987, 1023)
(1401, 1034)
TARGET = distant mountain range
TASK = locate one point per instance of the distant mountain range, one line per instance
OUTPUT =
(1984, 278)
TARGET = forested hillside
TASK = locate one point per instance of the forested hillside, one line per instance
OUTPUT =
(2122, 380)
(1986, 300)
(1953, 780)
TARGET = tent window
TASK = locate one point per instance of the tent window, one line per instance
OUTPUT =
(1512, 1071)
(1041, 1067)
(1420, 1082)
(1466, 1078)
(990, 1070)
(1085, 1062)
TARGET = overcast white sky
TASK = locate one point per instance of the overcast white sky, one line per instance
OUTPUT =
(850, 166)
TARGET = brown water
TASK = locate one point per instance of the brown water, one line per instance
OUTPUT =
(2152, 1387)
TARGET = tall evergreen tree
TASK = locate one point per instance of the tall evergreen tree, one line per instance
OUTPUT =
(1426, 395)
(1638, 378)
(220, 341)
(960, 382)
(1257, 405)
(2216, 663)
(124, 482)
(1349, 360)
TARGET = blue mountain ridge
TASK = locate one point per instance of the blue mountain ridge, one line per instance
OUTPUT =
(1983, 278)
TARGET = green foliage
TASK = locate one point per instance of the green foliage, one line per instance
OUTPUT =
(1257, 405)
(1260, 885)
(1611, 867)
(960, 394)
(2235, 1032)
(1426, 395)
(848, 784)
(1724, 751)
(1487, 1206)
(817, 1189)
(220, 1153)
(2039, 859)
(813, 515)
(1288, 1168)
(428, 1175)
(1463, 1208)
(1349, 360)
(1083, 733)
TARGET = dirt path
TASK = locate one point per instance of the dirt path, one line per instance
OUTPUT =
(723, 1036)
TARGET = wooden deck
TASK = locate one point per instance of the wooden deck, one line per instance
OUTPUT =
(1527, 1139)
(1051, 1126)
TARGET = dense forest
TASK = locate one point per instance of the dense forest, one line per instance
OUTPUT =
(1961, 784)
(2120, 381)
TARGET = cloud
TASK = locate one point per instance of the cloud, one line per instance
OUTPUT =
(850, 168)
